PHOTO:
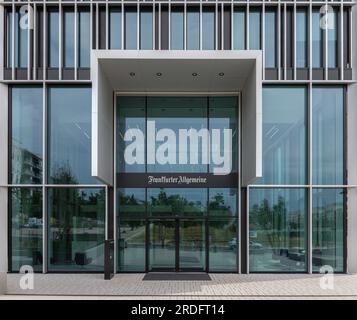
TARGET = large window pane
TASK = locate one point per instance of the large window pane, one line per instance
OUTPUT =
(131, 203)
(316, 39)
(222, 202)
(131, 29)
(176, 29)
(301, 38)
(284, 135)
(270, 39)
(277, 230)
(239, 29)
(254, 29)
(176, 113)
(223, 245)
(177, 201)
(9, 36)
(53, 38)
(131, 245)
(115, 28)
(21, 42)
(83, 39)
(332, 38)
(26, 135)
(208, 30)
(76, 223)
(327, 229)
(69, 110)
(327, 134)
(68, 21)
(130, 115)
(26, 228)
(193, 30)
(146, 29)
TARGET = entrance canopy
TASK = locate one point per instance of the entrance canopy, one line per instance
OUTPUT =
(176, 72)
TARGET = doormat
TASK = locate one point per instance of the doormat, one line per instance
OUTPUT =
(176, 276)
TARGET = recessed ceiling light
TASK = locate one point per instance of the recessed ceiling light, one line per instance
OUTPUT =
(221, 74)
(159, 74)
(132, 74)
(194, 74)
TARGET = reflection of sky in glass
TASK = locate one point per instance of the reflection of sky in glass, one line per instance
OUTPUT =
(70, 133)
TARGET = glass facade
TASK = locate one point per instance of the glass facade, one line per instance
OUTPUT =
(277, 230)
(26, 134)
(163, 228)
(76, 229)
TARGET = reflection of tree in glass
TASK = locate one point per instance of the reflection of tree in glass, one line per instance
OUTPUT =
(217, 206)
(271, 221)
(62, 174)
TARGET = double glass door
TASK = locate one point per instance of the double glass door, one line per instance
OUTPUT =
(177, 245)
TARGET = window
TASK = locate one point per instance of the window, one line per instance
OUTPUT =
(26, 135)
(270, 39)
(131, 29)
(327, 135)
(316, 39)
(327, 229)
(69, 111)
(208, 29)
(146, 28)
(53, 38)
(9, 38)
(76, 229)
(115, 28)
(68, 21)
(301, 38)
(254, 29)
(239, 29)
(26, 228)
(193, 29)
(332, 39)
(277, 230)
(284, 135)
(83, 39)
(177, 29)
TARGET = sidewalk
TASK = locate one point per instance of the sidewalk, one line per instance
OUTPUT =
(222, 286)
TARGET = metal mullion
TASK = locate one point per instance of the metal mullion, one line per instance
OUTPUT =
(13, 42)
(285, 38)
(309, 221)
(106, 25)
(138, 26)
(350, 27)
(185, 26)
(326, 42)
(91, 26)
(45, 40)
(239, 193)
(279, 41)
(216, 25)
(160, 36)
(232, 26)
(61, 38)
(169, 24)
(76, 44)
(44, 178)
(310, 41)
(200, 26)
(341, 42)
(29, 12)
(106, 213)
(153, 25)
(262, 38)
(122, 25)
(247, 229)
(294, 41)
(35, 40)
(97, 26)
(247, 27)
(222, 26)
(115, 186)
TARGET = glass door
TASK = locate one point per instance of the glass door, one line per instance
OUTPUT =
(162, 246)
(192, 245)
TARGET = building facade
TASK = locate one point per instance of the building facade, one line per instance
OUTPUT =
(209, 136)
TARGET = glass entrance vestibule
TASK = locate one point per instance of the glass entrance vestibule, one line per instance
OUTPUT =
(177, 184)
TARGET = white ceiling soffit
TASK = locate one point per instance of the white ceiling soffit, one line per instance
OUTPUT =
(174, 71)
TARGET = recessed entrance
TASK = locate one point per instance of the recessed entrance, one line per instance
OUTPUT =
(177, 183)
